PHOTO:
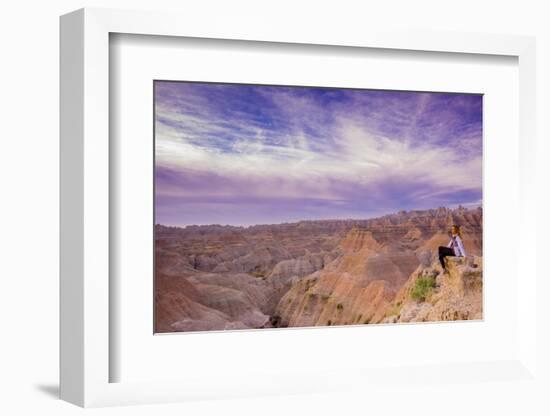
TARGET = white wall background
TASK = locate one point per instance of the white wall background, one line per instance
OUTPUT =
(29, 207)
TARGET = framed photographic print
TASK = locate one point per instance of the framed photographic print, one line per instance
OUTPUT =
(289, 206)
(280, 212)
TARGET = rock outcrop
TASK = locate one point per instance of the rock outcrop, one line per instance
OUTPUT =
(453, 295)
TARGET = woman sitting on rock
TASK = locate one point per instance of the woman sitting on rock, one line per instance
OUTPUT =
(454, 248)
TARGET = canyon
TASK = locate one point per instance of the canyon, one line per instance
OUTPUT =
(317, 273)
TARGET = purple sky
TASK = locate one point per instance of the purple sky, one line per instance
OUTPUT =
(248, 154)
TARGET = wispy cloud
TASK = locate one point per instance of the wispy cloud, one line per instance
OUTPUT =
(249, 154)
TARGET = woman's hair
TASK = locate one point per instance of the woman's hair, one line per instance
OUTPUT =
(457, 228)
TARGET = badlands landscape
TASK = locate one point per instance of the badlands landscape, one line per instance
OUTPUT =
(317, 273)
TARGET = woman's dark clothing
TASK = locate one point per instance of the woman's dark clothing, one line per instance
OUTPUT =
(444, 252)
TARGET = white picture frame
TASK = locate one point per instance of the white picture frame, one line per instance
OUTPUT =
(85, 212)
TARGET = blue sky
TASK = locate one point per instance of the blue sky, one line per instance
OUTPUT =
(249, 154)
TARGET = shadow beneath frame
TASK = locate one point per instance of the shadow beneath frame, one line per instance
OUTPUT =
(51, 390)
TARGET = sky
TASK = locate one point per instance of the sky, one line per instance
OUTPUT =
(250, 154)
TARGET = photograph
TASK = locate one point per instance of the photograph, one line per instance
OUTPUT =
(286, 206)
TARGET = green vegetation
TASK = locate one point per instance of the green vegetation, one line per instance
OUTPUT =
(395, 310)
(422, 287)
(366, 321)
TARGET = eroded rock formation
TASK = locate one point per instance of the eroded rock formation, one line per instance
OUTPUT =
(314, 272)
